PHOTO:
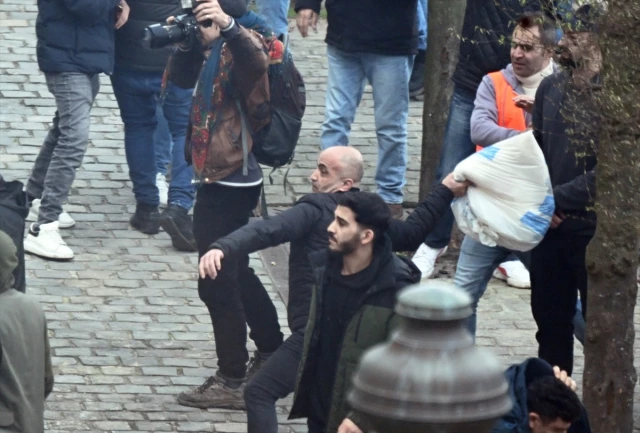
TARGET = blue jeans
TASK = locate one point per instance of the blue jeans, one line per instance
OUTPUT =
(421, 18)
(137, 93)
(476, 265)
(275, 13)
(162, 141)
(389, 78)
(457, 146)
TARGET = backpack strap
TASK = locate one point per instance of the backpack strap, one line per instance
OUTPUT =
(245, 144)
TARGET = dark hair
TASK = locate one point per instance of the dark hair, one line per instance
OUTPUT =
(546, 27)
(370, 210)
(551, 399)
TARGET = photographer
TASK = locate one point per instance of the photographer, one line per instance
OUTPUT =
(239, 47)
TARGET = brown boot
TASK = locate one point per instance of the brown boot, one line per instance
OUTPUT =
(396, 211)
(214, 393)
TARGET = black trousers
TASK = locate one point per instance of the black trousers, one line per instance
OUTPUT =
(236, 298)
(557, 270)
(275, 380)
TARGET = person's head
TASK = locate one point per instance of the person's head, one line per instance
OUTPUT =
(339, 169)
(532, 44)
(552, 406)
(8, 261)
(361, 219)
(579, 44)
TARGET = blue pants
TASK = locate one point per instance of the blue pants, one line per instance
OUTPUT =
(162, 141)
(275, 13)
(421, 18)
(389, 78)
(137, 93)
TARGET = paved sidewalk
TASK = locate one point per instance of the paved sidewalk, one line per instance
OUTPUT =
(127, 329)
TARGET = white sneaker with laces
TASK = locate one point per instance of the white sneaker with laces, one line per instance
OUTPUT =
(425, 259)
(163, 188)
(45, 241)
(514, 273)
(64, 219)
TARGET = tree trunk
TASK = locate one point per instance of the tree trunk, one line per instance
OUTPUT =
(445, 25)
(610, 376)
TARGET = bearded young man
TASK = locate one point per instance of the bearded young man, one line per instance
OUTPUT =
(356, 283)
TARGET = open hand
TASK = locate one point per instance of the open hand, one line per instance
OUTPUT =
(211, 10)
(306, 18)
(565, 378)
(211, 263)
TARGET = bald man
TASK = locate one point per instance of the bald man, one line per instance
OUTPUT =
(339, 169)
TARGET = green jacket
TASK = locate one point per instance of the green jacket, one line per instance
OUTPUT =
(370, 325)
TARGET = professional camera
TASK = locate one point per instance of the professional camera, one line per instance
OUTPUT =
(184, 28)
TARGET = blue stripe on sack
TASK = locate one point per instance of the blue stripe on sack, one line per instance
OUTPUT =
(535, 223)
(489, 152)
(548, 206)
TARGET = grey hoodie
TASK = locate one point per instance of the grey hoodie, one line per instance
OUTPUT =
(485, 130)
(26, 376)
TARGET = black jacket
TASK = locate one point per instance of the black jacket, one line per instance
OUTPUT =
(13, 211)
(76, 35)
(305, 226)
(369, 26)
(486, 31)
(130, 54)
(572, 178)
(519, 377)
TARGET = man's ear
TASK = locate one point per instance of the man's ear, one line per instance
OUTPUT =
(367, 236)
(534, 420)
(347, 184)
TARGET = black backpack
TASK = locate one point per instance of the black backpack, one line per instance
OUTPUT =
(275, 144)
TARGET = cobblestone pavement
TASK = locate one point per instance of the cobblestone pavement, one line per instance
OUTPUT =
(127, 329)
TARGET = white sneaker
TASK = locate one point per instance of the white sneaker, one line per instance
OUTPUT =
(425, 259)
(163, 188)
(514, 273)
(46, 242)
(64, 219)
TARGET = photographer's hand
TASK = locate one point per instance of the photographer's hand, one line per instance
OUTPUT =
(211, 10)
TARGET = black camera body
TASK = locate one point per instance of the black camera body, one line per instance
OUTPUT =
(183, 29)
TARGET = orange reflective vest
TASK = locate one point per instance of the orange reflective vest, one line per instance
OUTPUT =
(509, 115)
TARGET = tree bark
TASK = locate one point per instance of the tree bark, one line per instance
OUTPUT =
(612, 260)
(445, 25)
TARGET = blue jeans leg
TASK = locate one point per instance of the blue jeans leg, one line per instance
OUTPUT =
(162, 141)
(136, 95)
(389, 78)
(177, 109)
(421, 19)
(345, 86)
(275, 13)
(457, 146)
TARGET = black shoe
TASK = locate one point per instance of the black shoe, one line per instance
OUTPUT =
(177, 223)
(416, 82)
(146, 219)
(256, 362)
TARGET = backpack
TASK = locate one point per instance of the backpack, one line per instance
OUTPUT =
(275, 144)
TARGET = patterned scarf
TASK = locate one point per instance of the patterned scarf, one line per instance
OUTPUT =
(213, 86)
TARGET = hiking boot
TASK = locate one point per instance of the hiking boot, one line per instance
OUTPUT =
(146, 219)
(45, 241)
(256, 362)
(64, 219)
(214, 393)
(177, 223)
(396, 211)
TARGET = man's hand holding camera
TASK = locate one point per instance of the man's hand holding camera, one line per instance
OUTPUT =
(211, 10)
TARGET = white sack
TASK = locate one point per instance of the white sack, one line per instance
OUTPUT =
(512, 203)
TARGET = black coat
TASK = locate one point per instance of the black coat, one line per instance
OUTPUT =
(130, 54)
(486, 32)
(76, 35)
(13, 211)
(573, 179)
(305, 227)
(369, 26)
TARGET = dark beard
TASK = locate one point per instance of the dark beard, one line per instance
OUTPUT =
(345, 248)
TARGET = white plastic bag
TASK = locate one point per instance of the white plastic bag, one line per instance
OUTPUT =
(511, 204)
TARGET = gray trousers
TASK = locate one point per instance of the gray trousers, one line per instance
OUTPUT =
(66, 143)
